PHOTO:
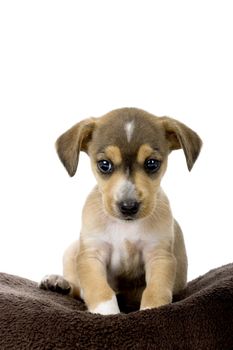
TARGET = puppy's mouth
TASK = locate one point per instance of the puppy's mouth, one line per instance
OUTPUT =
(125, 218)
(128, 218)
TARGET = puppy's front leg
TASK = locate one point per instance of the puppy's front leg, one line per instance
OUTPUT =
(97, 294)
(160, 268)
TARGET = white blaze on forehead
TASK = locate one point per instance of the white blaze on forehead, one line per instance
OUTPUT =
(125, 189)
(129, 128)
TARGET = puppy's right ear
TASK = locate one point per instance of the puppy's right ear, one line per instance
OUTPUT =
(73, 141)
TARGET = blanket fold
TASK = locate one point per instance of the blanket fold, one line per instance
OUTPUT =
(200, 318)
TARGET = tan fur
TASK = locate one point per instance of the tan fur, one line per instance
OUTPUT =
(145, 151)
(114, 154)
(107, 189)
(143, 259)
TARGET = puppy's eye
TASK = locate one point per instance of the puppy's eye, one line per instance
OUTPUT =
(105, 166)
(152, 165)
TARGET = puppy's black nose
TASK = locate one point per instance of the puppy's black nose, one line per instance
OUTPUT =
(128, 208)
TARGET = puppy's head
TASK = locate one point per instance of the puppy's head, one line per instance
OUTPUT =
(128, 150)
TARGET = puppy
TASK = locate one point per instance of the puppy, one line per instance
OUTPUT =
(130, 245)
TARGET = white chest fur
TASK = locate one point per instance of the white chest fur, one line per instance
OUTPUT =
(125, 240)
(124, 245)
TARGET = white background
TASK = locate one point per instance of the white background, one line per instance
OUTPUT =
(62, 61)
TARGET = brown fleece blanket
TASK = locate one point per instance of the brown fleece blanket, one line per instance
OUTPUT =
(201, 317)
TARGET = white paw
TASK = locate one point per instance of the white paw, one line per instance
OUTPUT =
(145, 308)
(109, 307)
(55, 283)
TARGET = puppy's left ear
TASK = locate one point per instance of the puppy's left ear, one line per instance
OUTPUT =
(181, 136)
(73, 141)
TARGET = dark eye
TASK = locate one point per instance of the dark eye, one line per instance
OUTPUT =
(152, 165)
(105, 166)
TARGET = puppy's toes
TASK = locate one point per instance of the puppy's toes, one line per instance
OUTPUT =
(55, 283)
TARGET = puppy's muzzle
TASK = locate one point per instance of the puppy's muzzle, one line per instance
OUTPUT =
(128, 208)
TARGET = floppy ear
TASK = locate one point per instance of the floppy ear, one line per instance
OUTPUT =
(180, 136)
(73, 141)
